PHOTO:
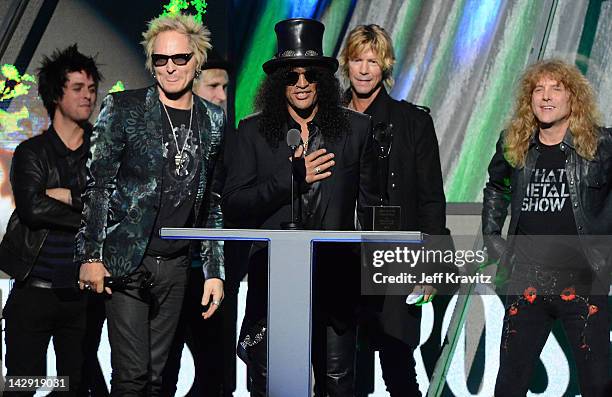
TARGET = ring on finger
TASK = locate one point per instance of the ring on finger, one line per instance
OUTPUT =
(317, 170)
(216, 303)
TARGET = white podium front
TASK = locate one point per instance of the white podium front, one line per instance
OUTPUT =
(290, 293)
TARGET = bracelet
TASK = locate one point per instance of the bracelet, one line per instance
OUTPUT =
(91, 260)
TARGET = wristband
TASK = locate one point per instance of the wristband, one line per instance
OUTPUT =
(91, 260)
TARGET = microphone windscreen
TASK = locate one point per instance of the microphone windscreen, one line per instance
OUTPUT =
(293, 138)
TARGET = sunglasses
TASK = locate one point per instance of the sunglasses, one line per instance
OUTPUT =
(177, 59)
(291, 78)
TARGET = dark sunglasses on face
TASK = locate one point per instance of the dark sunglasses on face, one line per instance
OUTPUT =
(291, 78)
(177, 59)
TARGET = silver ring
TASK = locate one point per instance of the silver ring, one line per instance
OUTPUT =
(317, 170)
(217, 303)
(88, 287)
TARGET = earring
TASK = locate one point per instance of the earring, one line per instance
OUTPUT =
(154, 76)
(197, 73)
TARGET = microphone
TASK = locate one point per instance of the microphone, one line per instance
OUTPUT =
(294, 138)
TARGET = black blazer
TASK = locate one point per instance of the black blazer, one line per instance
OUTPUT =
(257, 191)
(415, 175)
(414, 183)
(257, 195)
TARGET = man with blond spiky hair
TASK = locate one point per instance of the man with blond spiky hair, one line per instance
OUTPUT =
(212, 343)
(151, 165)
(552, 167)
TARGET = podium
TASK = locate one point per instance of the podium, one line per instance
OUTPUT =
(290, 293)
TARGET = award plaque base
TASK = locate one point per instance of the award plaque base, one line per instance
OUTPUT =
(383, 218)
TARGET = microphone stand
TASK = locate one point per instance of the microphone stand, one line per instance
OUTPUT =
(295, 222)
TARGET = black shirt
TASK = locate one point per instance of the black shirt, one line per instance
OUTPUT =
(546, 233)
(179, 184)
(310, 193)
(55, 261)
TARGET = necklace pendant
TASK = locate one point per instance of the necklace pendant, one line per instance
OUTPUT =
(178, 163)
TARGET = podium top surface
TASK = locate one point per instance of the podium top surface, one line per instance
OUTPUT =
(312, 235)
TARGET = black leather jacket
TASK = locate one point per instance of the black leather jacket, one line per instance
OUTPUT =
(589, 185)
(38, 164)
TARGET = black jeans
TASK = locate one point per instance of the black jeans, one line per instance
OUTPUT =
(333, 358)
(141, 326)
(527, 325)
(93, 382)
(396, 360)
(32, 317)
(398, 367)
(212, 343)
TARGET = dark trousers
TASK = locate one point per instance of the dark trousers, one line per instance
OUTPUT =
(212, 343)
(526, 329)
(141, 326)
(333, 333)
(396, 361)
(34, 316)
(398, 367)
(333, 357)
(93, 382)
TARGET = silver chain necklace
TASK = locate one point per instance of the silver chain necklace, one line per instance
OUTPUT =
(178, 158)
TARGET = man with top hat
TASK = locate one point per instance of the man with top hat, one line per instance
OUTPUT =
(335, 174)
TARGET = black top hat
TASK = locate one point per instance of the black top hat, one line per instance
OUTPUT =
(300, 42)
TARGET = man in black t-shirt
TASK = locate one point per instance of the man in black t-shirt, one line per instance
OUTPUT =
(212, 342)
(551, 165)
(151, 165)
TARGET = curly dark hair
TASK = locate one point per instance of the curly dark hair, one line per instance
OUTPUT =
(53, 74)
(271, 101)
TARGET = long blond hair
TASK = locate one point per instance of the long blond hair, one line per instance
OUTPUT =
(584, 115)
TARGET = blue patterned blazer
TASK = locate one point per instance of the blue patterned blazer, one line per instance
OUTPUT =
(123, 191)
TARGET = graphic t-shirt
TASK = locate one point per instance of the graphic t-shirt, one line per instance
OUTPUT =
(179, 182)
(546, 232)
